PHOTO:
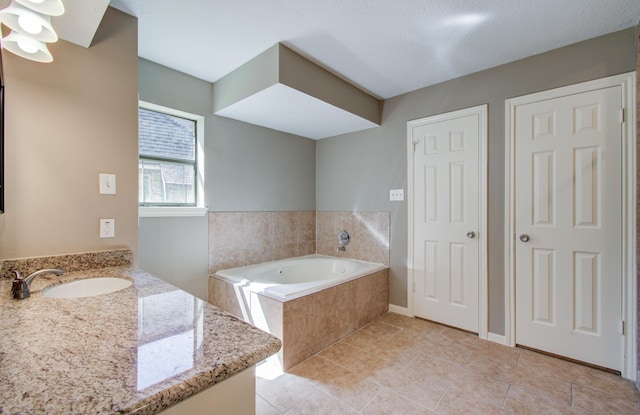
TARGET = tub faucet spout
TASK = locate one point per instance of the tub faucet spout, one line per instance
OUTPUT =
(21, 287)
(341, 248)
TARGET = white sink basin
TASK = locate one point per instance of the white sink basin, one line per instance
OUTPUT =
(86, 288)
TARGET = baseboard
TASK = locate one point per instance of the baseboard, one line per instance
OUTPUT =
(399, 310)
(497, 338)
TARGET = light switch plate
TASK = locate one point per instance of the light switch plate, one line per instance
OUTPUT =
(107, 184)
(396, 195)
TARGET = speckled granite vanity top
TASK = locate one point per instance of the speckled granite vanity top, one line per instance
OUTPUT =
(139, 350)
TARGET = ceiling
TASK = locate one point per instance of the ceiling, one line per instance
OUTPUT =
(386, 47)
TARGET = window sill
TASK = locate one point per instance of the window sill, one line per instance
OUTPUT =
(169, 212)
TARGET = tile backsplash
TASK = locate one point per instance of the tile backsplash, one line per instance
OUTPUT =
(246, 238)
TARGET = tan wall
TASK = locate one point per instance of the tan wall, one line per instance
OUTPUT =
(66, 122)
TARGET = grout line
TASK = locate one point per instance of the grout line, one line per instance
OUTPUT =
(441, 397)
(369, 401)
(519, 357)
(572, 392)
(269, 403)
(506, 397)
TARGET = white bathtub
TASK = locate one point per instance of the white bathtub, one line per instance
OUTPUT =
(296, 277)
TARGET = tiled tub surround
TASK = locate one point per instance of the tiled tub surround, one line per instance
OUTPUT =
(244, 238)
(310, 323)
(142, 349)
(369, 233)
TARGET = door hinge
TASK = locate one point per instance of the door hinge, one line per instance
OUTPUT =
(622, 116)
(415, 143)
(413, 288)
(622, 327)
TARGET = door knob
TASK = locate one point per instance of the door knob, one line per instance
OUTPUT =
(471, 234)
(524, 237)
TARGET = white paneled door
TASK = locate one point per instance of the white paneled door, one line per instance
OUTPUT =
(568, 192)
(447, 216)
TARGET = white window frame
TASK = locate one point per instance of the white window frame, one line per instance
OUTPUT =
(180, 211)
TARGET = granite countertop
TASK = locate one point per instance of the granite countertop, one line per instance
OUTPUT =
(139, 350)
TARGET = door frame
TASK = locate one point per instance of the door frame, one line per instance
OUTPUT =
(482, 112)
(629, 278)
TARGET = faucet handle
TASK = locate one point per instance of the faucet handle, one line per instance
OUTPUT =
(19, 287)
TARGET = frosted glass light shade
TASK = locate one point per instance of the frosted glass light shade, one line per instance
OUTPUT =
(27, 47)
(20, 19)
(50, 7)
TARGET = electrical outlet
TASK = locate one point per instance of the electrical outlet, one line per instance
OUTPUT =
(107, 228)
(396, 195)
(107, 184)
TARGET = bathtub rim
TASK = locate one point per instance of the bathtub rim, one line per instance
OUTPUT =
(304, 289)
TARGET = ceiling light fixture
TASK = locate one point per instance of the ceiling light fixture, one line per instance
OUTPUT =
(20, 19)
(30, 22)
(50, 7)
(27, 47)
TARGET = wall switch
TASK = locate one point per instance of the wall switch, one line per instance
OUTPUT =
(396, 195)
(107, 228)
(107, 184)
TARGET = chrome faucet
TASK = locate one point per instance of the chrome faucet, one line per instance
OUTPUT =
(21, 287)
(343, 239)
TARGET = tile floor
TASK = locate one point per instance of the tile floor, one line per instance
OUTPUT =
(401, 365)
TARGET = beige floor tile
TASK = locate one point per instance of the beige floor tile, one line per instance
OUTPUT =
(349, 387)
(603, 403)
(400, 354)
(496, 367)
(445, 368)
(263, 407)
(380, 330)
(454, 352)
(492, 350)
(422, 387)
(455, 403)
(453, 335)
(608, 383)
(343, 354)
(415, 324)
(479, 388)
(542, 383)
(579, 374)
(387, 402)
(522, 402)
(364, 340)
(319, 403)
(284, 392)
(402, 365)
(382, 372)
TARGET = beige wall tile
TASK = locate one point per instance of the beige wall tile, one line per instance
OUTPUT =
(285, 228)
(369, 297)
(306, 226)
(257, 229)
(225, 240)
(223, 295)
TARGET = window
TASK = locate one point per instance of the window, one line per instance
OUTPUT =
(170, 162)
